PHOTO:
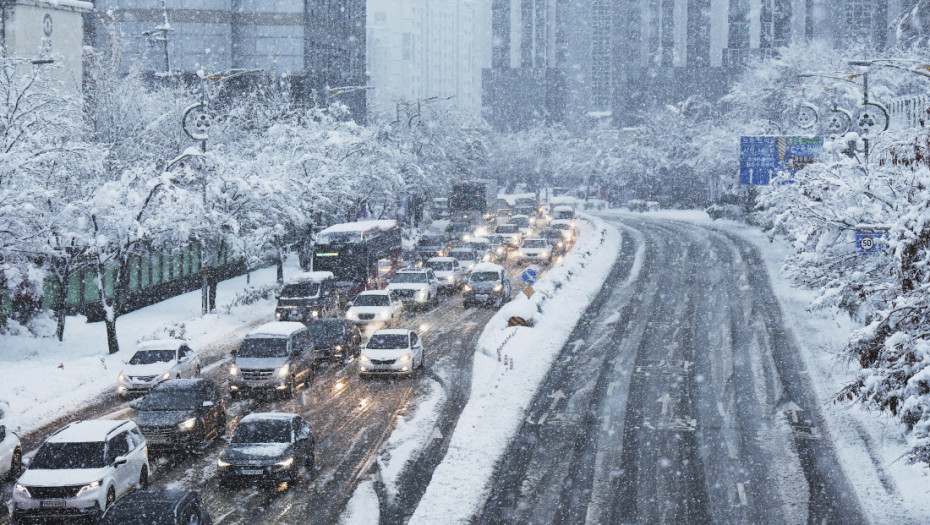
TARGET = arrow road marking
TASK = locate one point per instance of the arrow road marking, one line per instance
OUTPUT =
(556, 397)
(436, 434)
(741, 491)
(793, 409)
(576, 344)
(606, 424)
(542, 419)
(610, 388)
(666, 400)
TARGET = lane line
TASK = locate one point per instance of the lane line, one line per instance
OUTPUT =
(741, 490)
(606, 426)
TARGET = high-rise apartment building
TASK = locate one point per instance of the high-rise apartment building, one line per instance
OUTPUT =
(419, 49)
(318, 43)
(593, 62)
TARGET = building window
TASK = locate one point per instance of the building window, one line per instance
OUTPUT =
(407, 47)
(600, 56)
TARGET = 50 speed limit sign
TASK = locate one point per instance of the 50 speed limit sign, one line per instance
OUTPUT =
(868, 242)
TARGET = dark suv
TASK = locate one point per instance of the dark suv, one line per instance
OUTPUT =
(432, 246)
(487, 284)
(268, 446)
(335, 339)
(181, 415)
(309, 296)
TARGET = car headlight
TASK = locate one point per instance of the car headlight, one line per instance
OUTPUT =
(21, 490)
(234, 371)
(467, 288)
(277, 315)
(188, 425)
(352, 316)
(123, 378)
(221, 463)
(286, 463)
(486, 258)
(364, 358)
(498, 287)
(284, 370)
(500, 250)
(338, 348)
(384, 315)
(315, 313)
(561, 244)
(466, 237)
(404, 358)
(87, 488)
(166, 376)
(421, 294)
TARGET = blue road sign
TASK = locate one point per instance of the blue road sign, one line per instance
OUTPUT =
(529, 276)
(869, 242)
(761, 158)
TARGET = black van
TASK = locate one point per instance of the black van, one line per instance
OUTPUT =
(309, 296)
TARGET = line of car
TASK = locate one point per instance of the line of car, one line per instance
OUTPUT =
(84, 469)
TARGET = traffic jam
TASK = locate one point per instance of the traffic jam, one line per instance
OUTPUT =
(295, 409)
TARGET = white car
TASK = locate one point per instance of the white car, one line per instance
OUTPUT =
(567, 227)
(449, 273)
(534, 250)
(391, 352)
(375, 306)
(563, 212)
(415, 287)
(157, 361)
(81, 470)
(511, 234)
(466, 257)
(482, 247)
(11, 455)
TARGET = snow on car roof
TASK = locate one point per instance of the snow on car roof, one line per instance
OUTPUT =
(259, 416)
(359, 227)
(561, 222)
(86, 431)
(162, 344)
(277, 329)
(482, 240)
(487, 267)
(411, 270)
(392, 331)
(312, 276)
(441, 259)
(374, 292)
(563, 207)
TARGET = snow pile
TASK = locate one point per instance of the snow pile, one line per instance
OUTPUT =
(502, 393)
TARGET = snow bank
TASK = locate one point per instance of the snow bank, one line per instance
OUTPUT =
(43, 379)
(500, 395)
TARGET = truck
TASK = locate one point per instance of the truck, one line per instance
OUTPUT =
(473, 201)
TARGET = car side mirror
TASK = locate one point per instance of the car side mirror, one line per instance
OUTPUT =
(234, 352)
(135, 404)
(26, 461)
(350, 304)
(122, 460)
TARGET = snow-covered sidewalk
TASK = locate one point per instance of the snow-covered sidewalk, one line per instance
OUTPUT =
(870, 446)
(42, 379)
(501, 393)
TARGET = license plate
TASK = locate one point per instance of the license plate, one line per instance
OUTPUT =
(481, 297)
(157, 439)
(52, 504)
(252, 472)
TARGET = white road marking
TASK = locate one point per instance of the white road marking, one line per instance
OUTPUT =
(542, 419)
(793, 409)
(592, 511)
(741, 491)
(435, 435)
(556, 396)
(598, 461)
(666, 400)
(720, 410)
(606, 425)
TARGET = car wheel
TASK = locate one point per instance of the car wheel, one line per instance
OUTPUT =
(16, 465)
(143, 478)
(111, 498)
(234, 395)
(221, 426)
(292, 388)
(197, 371)
(310, 465)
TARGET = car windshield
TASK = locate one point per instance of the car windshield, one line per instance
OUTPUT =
(387, 341)
(262, 431)
(326, 329)
(263, 347)
(534, 243)
(430, 241)
(373, 299)
(440, 266)
(55, 456)
(524, 210)
(560, 226)
(521, 222)
(170, 400)
(147, 357)
(477, 246)
(458, 227)
(552, 234)
(308, 289)
(484, 277)
(409, 277)
(463, 255)
(507, 228)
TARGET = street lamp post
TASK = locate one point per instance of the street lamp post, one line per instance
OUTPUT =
(419, 103)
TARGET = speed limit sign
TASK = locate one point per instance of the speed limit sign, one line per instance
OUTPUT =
(868, 242)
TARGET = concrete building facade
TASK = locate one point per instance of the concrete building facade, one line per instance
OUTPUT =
(46, 33)
(419, 49)
(319, 43)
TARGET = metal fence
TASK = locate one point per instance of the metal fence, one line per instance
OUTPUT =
(908, 112)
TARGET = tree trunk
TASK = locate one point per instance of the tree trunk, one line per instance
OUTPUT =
(112, 341)
(279, 262)
(60, 303)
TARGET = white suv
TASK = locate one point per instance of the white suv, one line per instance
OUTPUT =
(415, 287)
(81, 470)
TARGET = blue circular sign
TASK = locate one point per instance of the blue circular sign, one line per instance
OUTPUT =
(529, 276)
